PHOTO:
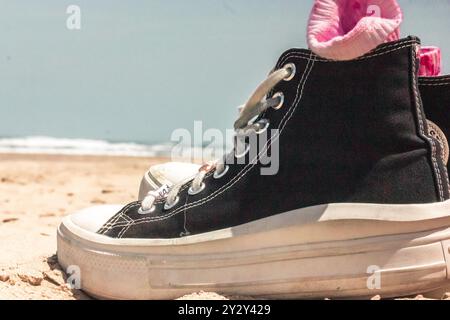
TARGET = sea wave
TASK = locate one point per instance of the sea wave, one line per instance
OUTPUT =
(86, 147)
(62, 146)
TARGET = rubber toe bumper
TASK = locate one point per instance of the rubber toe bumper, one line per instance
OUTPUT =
(92, 219)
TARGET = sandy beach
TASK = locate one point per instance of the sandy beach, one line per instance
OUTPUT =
(36, 191)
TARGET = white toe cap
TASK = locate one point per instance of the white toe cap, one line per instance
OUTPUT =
(92, 219)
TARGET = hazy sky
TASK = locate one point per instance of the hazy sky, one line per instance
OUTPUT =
(138, 69)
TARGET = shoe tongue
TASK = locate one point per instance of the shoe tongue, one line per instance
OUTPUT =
(348, 29)
(430, 61)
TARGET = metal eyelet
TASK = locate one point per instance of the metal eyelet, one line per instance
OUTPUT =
(281, 96)
(145, 212)
(193, 192)
(243, 154)
(220, 175)
(263, 129)
(168, 206)
(293, 69)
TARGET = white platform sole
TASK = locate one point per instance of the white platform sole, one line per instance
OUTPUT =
(334, 251)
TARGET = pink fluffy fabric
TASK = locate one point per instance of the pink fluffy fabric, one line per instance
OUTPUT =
(347, 29)
(430, 61)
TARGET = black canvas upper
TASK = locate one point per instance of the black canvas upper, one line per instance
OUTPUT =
(435, 93)
(350, 131)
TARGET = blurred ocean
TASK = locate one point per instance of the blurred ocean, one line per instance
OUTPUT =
(138, 69)
(62, 146)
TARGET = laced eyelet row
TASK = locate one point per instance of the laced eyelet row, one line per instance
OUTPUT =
(291, 70)
(280, 95)
(193, 192)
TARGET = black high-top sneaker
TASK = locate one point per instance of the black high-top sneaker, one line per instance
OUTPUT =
(358, 206)
(435, 93)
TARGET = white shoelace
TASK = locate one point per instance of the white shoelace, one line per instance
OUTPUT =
(244, 126)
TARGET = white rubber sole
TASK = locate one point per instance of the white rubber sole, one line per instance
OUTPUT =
(332, 251)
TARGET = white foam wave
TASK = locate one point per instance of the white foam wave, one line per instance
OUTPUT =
(49, 145)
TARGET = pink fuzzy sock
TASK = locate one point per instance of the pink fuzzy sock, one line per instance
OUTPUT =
(347, 29)
(430, 61)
